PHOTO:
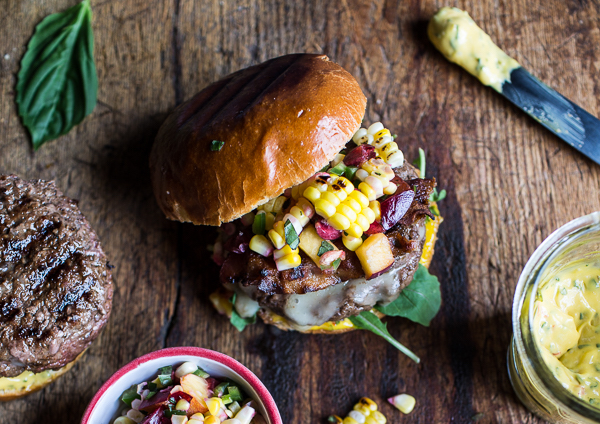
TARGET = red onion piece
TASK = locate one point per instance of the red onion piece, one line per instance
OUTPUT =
(360, 155)
(326, 231)
(393, 208)
(374, 228)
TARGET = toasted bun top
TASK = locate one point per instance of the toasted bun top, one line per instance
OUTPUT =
(281, 121)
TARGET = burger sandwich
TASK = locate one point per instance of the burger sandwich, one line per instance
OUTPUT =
(322, 223)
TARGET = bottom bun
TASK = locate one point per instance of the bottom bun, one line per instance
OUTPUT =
(28, 382)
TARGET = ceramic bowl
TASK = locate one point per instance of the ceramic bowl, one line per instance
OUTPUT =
(105, 405)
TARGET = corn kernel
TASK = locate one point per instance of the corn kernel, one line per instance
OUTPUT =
(360, 136)
(212, 420)
(357, 416)
(339, 221)
(331, 198)
(368, 403)
(288, 262)
(371, 420)
(269, 221)
(379, 417)
(324, 208)
(375, 207)
(352, 243)
(368, 166)
(279, 202)
(312, 194)
(339, 192)
(367, 191)
(353, 204)
(125, 420)
(182, 405)
(198, 416)
(279, 228)
(405, 403)
(355, 230)
(389, 148)
(276, 239)
(347, 211)
(361, 174)
(363, 409)
(261, 245)
(360, 198)
(297, 213)
(345, 184)
(381, 133)
(395, 159)
(195, 421)
(375, 184)
(214, 405)
(284, 251)
(378, 142)
(375, 128)
(362, 222)
(349, 420)
(390, 189)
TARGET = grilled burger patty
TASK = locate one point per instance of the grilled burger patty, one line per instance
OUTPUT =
(55, 282)
(279, 291)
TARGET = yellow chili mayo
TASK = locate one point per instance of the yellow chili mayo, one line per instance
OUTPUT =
(458, 37)
(566, 327)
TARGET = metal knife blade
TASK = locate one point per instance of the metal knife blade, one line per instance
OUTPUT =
(555, 112)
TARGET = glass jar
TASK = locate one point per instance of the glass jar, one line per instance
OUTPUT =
(531, 379)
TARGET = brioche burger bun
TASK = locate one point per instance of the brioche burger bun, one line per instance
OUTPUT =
(256, 139)
(55, 285)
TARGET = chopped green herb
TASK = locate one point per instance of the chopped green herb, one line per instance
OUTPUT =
(325, 247)
(339, 169)
(367, 320)
(291, 237)
(165, 370)
(581, 346)
(395, 136)
(169, 414)
(350, 172)
(581, 315)
(151, 386)
(597, 366)
(216, 145)
(234, 393)
(236, 320)
(325, 168)
(436, 197)
(226, 399)
(165, 380)
(130, 395)
(201, 373)
(260, 223)
(150, 394)
(593, 386)
(332, 419)
(220, 389)
(336, 264)
(563, 291)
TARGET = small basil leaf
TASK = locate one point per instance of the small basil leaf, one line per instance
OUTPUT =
(325, 247)
(367, 320)
(216, 145)
(259, 224)
(57, 85)
(291, 237)
(419, 302)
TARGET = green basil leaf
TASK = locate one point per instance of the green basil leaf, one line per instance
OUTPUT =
(336, 263)
(436, 197)
(130, 395)
(367, 320)
(325, 247)
(419, 302)
(291, 237)
(166, 370)
(236, 320)
(57, 84)
(260, 223)
(216, 145)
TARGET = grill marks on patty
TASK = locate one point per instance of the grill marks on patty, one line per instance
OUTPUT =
(55, 287)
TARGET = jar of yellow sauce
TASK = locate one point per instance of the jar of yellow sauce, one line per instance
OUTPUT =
(554, 356)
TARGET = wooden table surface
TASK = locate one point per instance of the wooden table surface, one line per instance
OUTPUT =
(510, 183)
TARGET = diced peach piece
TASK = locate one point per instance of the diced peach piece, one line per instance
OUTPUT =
(375, 255)
(310, 243)
(197, 387)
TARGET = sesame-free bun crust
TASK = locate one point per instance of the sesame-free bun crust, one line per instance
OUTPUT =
(281, 121)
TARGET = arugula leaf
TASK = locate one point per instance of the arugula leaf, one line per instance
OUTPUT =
(58, 85)
(325, 247)
(419, 302)
(130, 395)
(236, 320)
(216, 145)
(291, 236)
(367, 320)
(420, 163)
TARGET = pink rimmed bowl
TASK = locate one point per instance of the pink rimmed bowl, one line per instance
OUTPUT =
(105, 405)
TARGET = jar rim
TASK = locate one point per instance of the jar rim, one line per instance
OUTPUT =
(528, 282)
